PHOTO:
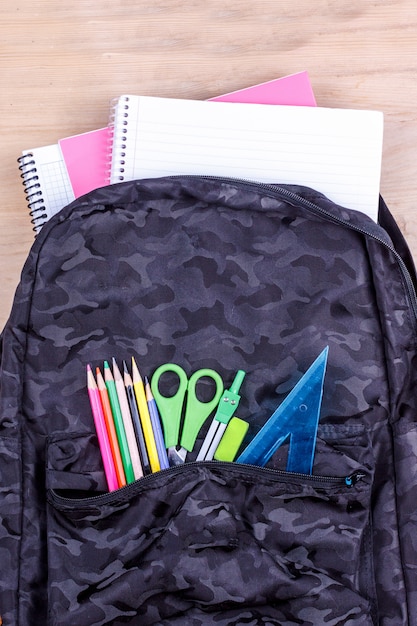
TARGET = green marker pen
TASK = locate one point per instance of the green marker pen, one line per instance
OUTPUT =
(118, 423)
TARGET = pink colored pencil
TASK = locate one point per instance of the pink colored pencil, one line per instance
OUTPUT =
(100, 424)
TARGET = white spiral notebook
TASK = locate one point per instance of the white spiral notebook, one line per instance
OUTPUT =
(335, 151)
(46, 182)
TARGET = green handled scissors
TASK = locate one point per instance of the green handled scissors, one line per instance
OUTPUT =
(171, 409)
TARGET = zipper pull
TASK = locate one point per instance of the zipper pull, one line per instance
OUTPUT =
(350, 481)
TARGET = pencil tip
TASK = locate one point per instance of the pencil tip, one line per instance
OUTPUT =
(126, 371)
(116, 370)
(135, 371)
(90, 378)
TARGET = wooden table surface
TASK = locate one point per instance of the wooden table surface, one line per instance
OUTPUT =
(63, 62)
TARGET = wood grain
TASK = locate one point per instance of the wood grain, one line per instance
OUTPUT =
(62, 63)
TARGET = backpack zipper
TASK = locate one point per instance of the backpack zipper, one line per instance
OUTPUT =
(124, 493)
(281, 192)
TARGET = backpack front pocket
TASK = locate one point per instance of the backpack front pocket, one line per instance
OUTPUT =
(210, 543)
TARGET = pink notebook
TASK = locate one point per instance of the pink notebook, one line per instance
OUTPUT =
(86, 159)
(86, 155)
(292, 90)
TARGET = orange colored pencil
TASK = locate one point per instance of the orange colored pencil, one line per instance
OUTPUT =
(108, 416)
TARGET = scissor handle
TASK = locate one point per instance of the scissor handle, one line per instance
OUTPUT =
(197, 411)
(170, 407)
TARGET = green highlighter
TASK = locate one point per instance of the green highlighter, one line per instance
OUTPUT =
(231, 440)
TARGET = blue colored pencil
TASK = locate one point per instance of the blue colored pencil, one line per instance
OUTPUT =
(156, 426)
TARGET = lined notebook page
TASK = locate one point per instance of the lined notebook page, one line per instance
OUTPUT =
(336, 151)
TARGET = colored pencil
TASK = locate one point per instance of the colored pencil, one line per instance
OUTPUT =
(101, 428)
(145, 418)
(111, 431)
(136, 420)
(156, 426)
(118, 422)
(127, 421)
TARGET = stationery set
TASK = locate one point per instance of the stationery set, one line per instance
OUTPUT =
(268, 133)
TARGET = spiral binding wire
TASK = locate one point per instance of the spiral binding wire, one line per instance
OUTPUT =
(118, 138)
(32, 187)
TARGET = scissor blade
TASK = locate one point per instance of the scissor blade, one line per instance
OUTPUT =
(176, 457)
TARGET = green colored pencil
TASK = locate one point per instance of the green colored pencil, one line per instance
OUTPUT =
(118, 423)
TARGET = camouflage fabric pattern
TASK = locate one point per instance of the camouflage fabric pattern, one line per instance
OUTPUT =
(209, 546)
(232, 276)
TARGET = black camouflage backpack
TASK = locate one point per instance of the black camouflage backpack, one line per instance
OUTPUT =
(227, 275)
